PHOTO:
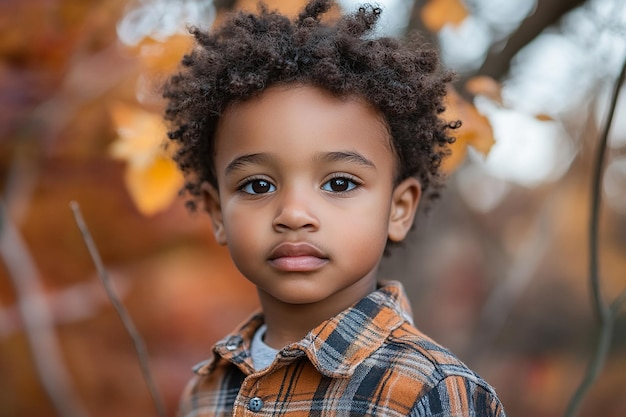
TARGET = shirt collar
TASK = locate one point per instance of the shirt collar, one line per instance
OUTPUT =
(340, 344)
(335, 347)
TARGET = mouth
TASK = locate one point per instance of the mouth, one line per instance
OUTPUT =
(297, 257)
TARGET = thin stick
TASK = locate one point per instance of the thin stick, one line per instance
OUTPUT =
(119, 308)
(603, 311)
(37, 317)
(618, 303)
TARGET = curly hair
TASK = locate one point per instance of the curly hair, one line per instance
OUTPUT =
(250, 52)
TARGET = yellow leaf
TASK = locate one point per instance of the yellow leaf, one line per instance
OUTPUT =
(438, 13)
(152, 179)
(542, 117)
(287, 7)
(140, 135)
(163, 57)
(476, 131)
(153, 188)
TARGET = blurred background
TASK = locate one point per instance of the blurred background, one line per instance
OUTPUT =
(498, 270)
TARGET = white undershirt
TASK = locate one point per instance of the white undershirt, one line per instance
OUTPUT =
(262, 354)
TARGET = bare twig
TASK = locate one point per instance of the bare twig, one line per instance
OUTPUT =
(38, 324)
(618, 303)
(76, 302)
(119, 308)
(605, 312)
(546, 14)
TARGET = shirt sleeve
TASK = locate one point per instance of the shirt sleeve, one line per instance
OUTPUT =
(186, 403)
(457, 396)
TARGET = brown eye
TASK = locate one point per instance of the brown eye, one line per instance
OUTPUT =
(258, 187)
(339, 185)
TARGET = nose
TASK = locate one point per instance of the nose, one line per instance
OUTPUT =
(295, 211)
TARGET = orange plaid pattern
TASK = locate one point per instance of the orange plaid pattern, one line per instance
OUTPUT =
(368, 360)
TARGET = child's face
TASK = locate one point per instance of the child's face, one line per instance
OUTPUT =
(306, 196)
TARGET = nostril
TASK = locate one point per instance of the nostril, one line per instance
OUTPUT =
(295, 222)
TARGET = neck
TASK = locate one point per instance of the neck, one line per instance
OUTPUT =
(289, 323)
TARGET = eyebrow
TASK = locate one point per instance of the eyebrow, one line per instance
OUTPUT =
(243, 160)
(347, 156)
(259, 158)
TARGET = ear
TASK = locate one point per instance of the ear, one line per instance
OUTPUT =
(405, 199)
(212, 205)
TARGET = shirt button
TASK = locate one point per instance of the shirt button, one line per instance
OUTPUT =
(255, 404)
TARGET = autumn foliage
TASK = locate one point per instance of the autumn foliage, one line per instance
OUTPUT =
(80, 120)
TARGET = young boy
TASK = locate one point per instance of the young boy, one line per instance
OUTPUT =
(310, 145)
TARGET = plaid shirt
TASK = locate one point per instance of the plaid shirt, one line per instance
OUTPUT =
(367, 360)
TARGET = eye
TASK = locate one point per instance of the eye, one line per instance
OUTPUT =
(339, 185)
(256, 187)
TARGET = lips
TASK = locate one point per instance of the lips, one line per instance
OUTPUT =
(297, 257)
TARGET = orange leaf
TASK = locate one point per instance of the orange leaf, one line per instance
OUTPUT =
(163, 57)
(483, 85)
(476, 131)
(542, 117)
(287, 7)
(153, 188)
(151, 177)
(438, 13)
(140, 134)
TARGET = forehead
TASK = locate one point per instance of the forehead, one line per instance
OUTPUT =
(300, 119)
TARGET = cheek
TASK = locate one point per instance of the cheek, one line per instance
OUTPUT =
(241, 226)
(366, 224)
(243, 248)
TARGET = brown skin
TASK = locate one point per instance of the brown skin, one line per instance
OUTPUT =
(306, 202)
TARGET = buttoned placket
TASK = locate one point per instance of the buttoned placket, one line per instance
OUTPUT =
(257, 396)
(254, 396)
(248, 401)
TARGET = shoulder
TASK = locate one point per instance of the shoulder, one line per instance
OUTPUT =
(447, 387)
(427, 356)
(459, 396)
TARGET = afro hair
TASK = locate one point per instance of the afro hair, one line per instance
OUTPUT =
(401, 78)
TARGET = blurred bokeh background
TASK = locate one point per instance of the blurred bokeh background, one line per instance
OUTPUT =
(497, 271)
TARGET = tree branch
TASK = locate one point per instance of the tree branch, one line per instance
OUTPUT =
(38, 325)
(604, 312)
(618, 303)
(547, 13)
(600, 307)
(119, 308)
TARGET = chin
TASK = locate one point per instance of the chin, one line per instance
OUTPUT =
(301, 299)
